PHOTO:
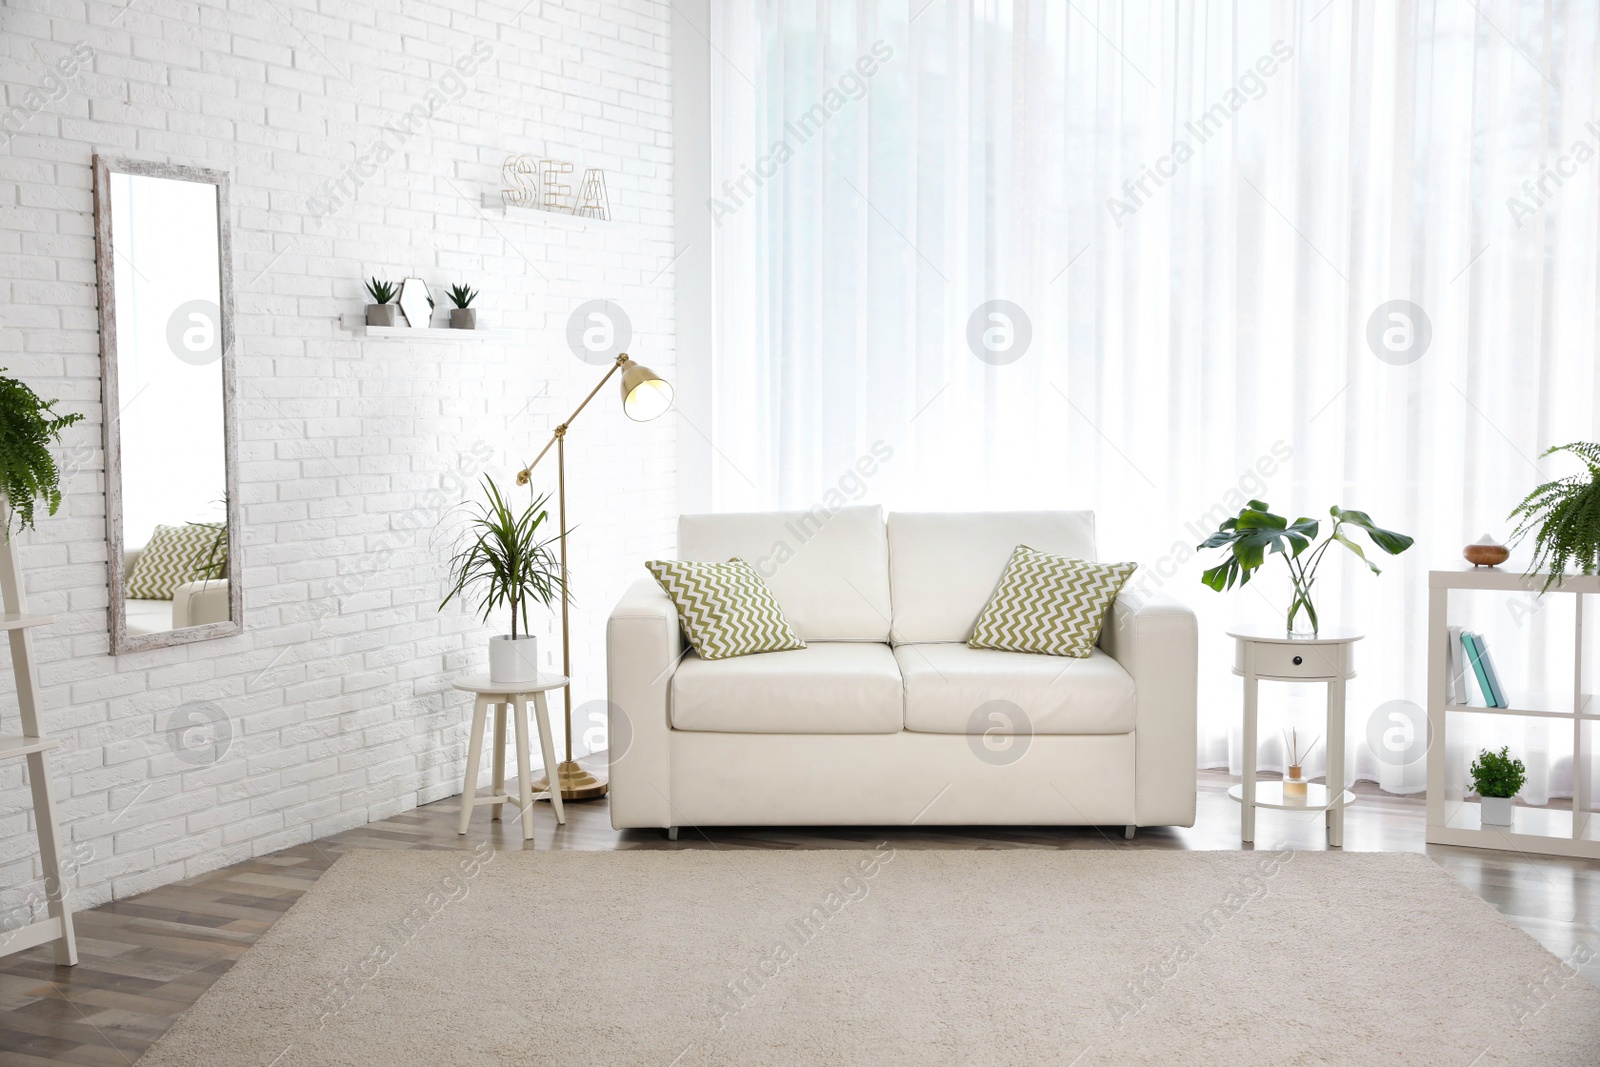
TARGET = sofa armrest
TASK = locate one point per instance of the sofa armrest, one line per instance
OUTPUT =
(1156, 640)
(197, 603)
(643, 647)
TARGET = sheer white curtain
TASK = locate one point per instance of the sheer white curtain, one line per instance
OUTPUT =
(1196, 209)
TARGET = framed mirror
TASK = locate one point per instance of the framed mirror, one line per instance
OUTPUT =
(163, 260)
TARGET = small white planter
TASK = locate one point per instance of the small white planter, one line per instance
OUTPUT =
(513, 659)
(1495, 811)
(381, 314)
(463, 318)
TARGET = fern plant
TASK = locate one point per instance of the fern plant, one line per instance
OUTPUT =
(28, 427)
(381, 292)
(1566, 513)
(462, 296)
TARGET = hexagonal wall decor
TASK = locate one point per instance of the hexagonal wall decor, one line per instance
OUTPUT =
(414, 302)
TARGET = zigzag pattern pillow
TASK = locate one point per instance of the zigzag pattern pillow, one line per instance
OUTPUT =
(175, 555)
(1050, 604)
(725, 609)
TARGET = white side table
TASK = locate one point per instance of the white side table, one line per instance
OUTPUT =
(513, 697)
(1328, 657)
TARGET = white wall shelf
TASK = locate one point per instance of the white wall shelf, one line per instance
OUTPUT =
(560, 219)
(1453, 819)
(357, 324)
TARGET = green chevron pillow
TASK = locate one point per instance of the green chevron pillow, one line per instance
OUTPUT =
(1050, 604)
(175, 555)
(725, 609)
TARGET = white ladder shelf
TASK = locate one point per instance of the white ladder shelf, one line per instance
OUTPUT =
(33, 744)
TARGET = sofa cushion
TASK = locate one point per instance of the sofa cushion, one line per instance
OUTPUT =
(1051, 604)
(944, 567)
(724, 609)
(825, 688)
(951, 689)
(828, 569)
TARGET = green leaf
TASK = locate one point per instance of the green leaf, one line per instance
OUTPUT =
(1388, 540)
(1352, 546)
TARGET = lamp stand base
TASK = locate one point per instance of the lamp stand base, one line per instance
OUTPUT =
(576, 783)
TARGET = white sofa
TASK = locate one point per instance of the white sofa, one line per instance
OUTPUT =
(192, 604)
(881, 720)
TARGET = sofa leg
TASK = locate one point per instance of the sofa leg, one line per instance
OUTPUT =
(1127, 831)
(672, 833)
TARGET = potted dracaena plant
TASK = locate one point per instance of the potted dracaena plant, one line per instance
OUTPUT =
(1497, 779)
(463, 316)
(503, 562)
(1256, 533)
(381, 312)
(28, 427)
(1564, 517)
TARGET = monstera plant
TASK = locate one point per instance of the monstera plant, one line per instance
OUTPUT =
(1566, 513)
(1256, 534)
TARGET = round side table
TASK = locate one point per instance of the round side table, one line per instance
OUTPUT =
(514, 697)
(1328, 657)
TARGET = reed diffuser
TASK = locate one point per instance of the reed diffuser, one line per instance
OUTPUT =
(1294, 781)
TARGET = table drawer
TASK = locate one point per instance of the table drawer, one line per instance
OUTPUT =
(1294, 660)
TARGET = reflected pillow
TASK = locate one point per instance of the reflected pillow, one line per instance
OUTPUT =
(725, 609)
(1051, 604)
(176, 555)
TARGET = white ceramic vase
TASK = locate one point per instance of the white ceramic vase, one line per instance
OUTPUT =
(513, 659)
(1495, 811)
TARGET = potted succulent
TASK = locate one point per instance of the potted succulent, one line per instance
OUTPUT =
(463, 316)
(28, 427)
(1255, 533)
(502, 561)
(1496, 778)
(1567, 515)
(381, 312)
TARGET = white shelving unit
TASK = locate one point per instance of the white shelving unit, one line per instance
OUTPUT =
(33, 745)
(1452, 818)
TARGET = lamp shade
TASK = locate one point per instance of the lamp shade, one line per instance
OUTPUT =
(645, 394)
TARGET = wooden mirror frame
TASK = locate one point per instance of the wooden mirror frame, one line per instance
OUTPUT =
(121, 641)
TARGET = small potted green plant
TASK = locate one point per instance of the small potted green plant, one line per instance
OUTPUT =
(1255, 533)
(1496, 778)
(1566, 513)
(381, 312)
(28, 427)
(463, 316)
(502, 561)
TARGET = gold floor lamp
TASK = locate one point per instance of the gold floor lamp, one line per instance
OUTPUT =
(645, 396)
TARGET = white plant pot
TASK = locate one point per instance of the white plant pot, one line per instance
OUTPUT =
(513, 659)
(463, 318)
(1495, 811)
(381, 314)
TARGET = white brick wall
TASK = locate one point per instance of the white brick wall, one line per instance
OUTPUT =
(337, 695)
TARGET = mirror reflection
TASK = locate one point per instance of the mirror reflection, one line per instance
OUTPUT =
(163, 254)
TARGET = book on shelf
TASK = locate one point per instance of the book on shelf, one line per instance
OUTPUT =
(1455, 689)
(1488, 669)
(1477, 656)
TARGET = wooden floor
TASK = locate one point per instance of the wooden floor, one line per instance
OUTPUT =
(144, 960)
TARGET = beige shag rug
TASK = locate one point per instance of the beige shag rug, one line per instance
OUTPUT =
(886, 957)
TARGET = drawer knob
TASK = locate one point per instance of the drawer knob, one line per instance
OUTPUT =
(1298, 661)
